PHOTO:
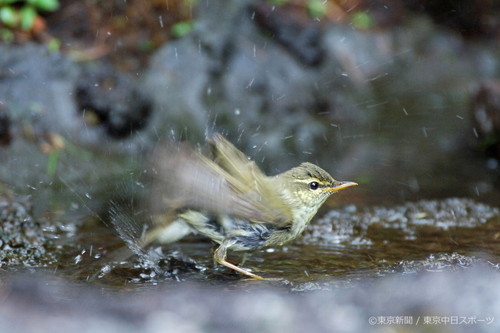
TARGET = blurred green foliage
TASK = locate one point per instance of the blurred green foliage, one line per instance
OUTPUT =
(362, 20)
(317, 8)
(22, 14)
(180, 29)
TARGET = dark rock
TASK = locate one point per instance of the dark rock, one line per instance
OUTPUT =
(113, 99)
(384, 13)
(486, 116)
(470, 18)
(292, 27)
(5, 135)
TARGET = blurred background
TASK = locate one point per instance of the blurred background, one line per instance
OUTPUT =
(400, 96)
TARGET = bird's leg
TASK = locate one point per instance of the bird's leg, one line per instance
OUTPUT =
(220, 256)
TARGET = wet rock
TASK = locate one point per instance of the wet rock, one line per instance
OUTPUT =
(22, 240)
(486, 117)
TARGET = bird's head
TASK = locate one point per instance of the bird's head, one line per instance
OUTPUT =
(308, 186)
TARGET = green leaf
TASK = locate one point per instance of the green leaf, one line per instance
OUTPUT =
(8, 16)
(6, 36)
(317, 8)
(48, 5)
(146, 45)
(28, 15)
(52, 163)
(362, 20)
(54, 45)
(182, 28)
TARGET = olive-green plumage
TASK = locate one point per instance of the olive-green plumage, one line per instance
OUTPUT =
(228, 199)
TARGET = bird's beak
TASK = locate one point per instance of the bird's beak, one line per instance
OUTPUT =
(340, 186)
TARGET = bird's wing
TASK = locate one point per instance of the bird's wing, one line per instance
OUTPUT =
(232, 160)
(263, 192)
(232, 184)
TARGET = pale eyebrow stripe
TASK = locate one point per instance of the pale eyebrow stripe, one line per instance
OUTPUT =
(305, 181)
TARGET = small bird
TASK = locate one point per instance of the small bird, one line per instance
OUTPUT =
(228, 199)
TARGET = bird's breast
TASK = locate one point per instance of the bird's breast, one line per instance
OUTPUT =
(301, 219)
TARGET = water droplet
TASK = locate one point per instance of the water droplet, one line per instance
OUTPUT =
(104, 270)
(250, 83)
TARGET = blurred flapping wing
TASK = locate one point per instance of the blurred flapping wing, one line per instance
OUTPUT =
(230, 184)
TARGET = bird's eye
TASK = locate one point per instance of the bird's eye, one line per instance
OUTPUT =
(313, 185)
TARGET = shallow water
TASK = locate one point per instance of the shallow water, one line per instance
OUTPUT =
(343, 246)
